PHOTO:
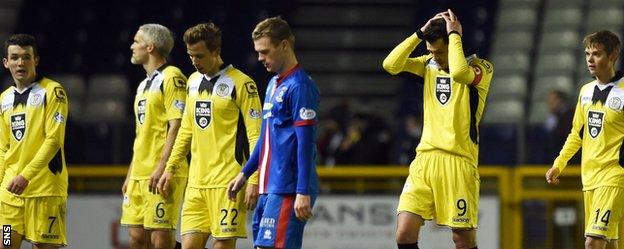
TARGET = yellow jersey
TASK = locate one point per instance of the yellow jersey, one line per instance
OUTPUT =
(32, 138)
(221, 122)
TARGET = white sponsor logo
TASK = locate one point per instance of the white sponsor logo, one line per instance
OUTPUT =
(18, 126)
(594, 122)
(178, 104)
(59, 118)
(267, 234)
(615, 103)
(255, 114)
(306, 114)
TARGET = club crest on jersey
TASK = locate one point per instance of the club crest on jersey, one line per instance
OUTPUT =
(443, 89)
(615, 103)
(306, 114)
(595, 120)
(222, 90)
(35, 99)
(141, 111)
(18, 126)
(203, 112)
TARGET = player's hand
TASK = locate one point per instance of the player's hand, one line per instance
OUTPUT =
(452, 23)
(552, 176)
(164, 183)
(303, 209)
(437, 16)
(154, 178)
(17, 185)
(236, 185)
(251, 196)
(124, 187)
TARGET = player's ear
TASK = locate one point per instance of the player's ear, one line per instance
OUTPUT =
(150, 47)
(5, 62)
(36, 61)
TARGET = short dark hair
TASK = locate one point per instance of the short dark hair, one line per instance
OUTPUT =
(559, 94)
(435, 31)
(276, 28)
(206, 32)
(608, 39)
(22, 40)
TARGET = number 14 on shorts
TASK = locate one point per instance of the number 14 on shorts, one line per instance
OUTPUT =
(6, 235)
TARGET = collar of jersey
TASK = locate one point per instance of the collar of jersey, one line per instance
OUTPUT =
(618, 76)
(468, 59)
(37, 80)
(157, 71)
(223, 70)
(282, 77)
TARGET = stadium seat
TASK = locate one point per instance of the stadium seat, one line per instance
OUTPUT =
(504, 111)
(605, 16)
(350, 16)
(556, 62)
(508, 86)
(342, 61)
(513, 40)
(74, 85)
(337, 84)
(349, 38)
(569, 17)
(511, 61)
(517, 18)
(539, 112)
(108, 86)
(561, 39)
(545, 83)
(104, 111)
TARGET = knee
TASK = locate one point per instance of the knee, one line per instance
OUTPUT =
(405, 235)
(224, 244)
(160, 243)
(138, 237)
(463, 240)
(594, 242)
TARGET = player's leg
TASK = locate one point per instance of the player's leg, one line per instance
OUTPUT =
(139, 238)
(196, 219)
(224, 244)
(132, 215)
(12, 219)
(408, 228)
(194, 240)
(279, 227)
(592, 242)
(228, 218)
(465, 239)
(161, 214)
(613, 244)
(415, 203)
(45, 222)
(162, 239)
(603, 212)
(455, 186)
(16, 241)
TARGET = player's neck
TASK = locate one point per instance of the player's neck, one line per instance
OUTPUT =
(289, 63)
(153, 63)
(21, 85)
(606, 78)
(217, 67)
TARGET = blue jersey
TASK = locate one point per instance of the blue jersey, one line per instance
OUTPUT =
(285, 154)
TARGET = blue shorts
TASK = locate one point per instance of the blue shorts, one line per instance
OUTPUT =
(275, 224)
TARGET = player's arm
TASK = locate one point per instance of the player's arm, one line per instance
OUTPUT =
(174, 97)
(251, 111)
(54, 124)
(4, 145)
(181, 144)
(574, 140)
(304, 108)
(250, 167)
(398, 60)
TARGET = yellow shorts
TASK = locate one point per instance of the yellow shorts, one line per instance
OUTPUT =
(603, 211)
(40, 220)
(442, 187)
(152, 211)
(208, 210)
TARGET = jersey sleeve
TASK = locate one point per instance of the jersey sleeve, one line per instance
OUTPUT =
(574, 140)
(251, 111)
(304, 101)
(4, 144)
(174, 95)
(398, 60)
(182, 144)
(55, 121)
(459, 69)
